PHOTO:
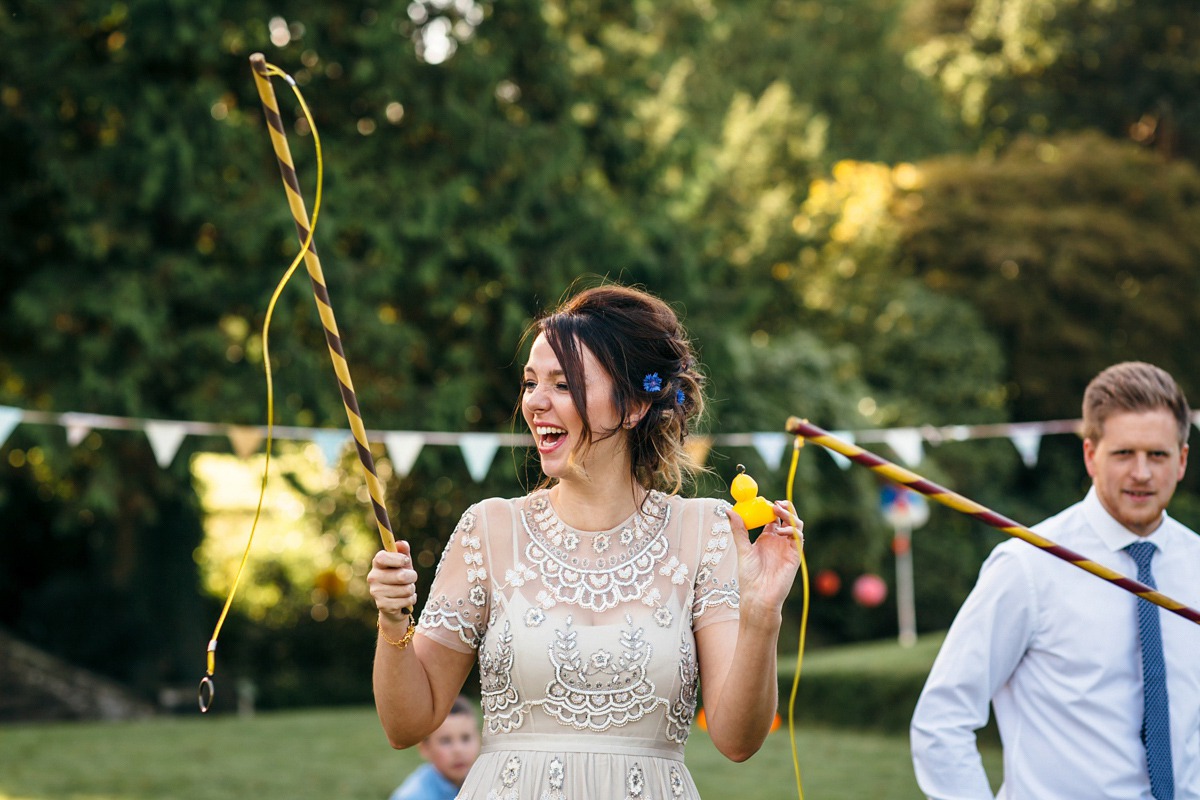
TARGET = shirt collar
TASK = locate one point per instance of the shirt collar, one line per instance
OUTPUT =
(1115, 535)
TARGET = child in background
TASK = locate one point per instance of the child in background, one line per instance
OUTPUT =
(449, 753)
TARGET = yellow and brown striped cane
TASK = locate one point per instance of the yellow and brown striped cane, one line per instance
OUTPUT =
(904, 477)
(262, 73)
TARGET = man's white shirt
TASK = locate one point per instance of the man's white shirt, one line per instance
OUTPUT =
(1056, 650)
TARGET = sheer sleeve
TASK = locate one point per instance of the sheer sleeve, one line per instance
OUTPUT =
(716, 584)
(456, 612)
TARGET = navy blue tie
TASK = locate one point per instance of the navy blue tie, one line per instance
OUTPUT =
(1156, 719)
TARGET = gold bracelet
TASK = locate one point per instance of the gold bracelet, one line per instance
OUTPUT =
(405, 640)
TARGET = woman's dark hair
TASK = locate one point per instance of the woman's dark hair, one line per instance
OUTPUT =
(640, 343)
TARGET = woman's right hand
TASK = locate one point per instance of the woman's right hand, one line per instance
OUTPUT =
(393, 582)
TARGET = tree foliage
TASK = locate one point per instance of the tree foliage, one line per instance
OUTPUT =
(1075, 249)
(775, 170)
(1126, 68)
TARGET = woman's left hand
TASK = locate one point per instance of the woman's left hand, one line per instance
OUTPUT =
(767, 567)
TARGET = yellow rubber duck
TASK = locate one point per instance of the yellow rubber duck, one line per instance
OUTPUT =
(755, 511)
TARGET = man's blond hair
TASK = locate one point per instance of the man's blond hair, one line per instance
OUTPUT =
(1133, 386)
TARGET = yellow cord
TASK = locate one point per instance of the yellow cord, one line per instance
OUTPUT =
(212, 644)
(803, 615)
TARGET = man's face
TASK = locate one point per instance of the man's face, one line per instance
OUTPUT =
(1135, 466)
(453, 747)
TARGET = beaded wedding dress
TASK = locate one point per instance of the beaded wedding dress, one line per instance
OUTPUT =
(585, 642)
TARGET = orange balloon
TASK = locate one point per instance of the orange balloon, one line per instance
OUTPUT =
(827, 582)
(702, 721)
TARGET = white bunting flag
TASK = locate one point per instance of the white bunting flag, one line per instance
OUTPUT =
(1028, 442)
(165, 438)
(770, 447)
(77, 433)
(478, 450)
(9, 417)
(907, 444)
(403, 447)
(838, 458)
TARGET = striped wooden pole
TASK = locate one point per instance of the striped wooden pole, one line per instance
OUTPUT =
(900, 475)
(291, 185)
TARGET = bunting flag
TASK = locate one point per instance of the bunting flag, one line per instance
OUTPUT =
(403, 447)
(1028, 442)
(907, 443)
(331, 444)
(478, 450)
(244, 440)
(165, 438)
(770, 447)
(76, 433)
(838, 458)
(9, 417)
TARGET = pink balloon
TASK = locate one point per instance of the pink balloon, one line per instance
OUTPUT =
(869, 590)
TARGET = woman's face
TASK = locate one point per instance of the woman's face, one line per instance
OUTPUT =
(554, 421)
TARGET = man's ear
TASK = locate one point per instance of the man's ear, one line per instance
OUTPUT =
(1089, 456)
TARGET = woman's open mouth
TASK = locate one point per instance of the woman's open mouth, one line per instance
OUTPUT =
(549, 437)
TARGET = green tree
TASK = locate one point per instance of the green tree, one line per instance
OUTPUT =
(144, 230)
(479, 160)
(1075, 249)
(1125, 68)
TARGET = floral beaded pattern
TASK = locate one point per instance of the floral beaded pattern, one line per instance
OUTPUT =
(463, 615)
(502, 707)
(635, 783)
(581, 633)
(711, 590)
(555, 778)
(683, 708)
(676, 783)
(512, 772)
(602, 583)
(602, 689)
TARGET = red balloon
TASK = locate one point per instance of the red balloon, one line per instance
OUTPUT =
(827, 583)
(869, 590)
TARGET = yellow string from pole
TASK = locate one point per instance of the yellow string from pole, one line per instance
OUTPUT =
(272, 70)
(799, 442)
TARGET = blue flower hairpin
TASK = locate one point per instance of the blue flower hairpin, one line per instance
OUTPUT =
(652, 383)
(679, 398)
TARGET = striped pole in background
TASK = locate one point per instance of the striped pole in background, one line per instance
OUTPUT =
(956, 501)
(292, 186)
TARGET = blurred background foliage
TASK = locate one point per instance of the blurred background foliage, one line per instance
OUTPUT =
(870, 213)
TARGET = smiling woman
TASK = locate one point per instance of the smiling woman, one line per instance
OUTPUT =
(611, 348)
(594, 605)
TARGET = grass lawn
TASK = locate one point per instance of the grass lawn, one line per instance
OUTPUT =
(341, 753)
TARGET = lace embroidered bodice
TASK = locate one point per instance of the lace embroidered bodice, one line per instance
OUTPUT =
(583, 634)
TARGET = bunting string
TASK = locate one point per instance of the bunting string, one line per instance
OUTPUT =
(404, 446)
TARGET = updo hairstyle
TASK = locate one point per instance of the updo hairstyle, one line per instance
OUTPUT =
(640, 343)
